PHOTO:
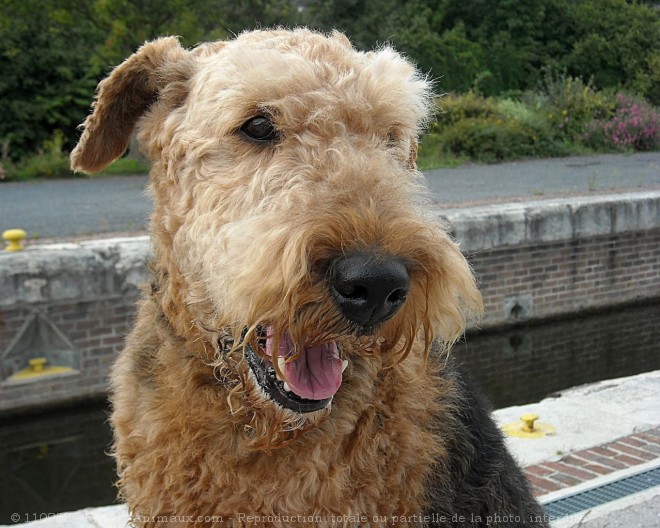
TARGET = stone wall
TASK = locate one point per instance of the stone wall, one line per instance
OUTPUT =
(73, 303)
(557, 257)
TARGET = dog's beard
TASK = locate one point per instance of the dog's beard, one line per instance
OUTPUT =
(264, 364)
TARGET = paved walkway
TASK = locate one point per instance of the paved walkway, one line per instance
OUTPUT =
(605, 431)
(587, 464)
(545, 178)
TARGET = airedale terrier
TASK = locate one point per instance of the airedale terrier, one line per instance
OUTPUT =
(289, 364)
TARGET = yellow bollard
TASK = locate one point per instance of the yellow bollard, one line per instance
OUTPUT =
(38, 368)
(529, 420)
(37, 365)
(528, 427)
(13, 237)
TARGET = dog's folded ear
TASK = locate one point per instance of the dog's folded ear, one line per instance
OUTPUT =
(124, 96)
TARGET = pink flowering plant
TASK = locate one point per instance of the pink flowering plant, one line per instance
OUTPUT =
(634, 126)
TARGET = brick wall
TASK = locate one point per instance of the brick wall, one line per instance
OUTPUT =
(96, 329)
(549, 279)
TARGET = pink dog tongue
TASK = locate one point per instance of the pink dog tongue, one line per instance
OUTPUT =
(316, 374)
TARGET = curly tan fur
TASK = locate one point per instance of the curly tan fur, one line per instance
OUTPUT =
(241, 232)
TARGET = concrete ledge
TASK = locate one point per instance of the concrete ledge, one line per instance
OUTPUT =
(542, 221)
(62, 272)
(587, 416)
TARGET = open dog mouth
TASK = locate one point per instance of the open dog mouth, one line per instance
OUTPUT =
(312, 376)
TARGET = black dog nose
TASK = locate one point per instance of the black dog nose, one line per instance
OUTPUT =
(369, 288)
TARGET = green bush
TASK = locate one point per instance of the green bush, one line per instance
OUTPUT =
(454, 108)
(571, 104)
(568, 117)
(49, 162)
(518, 111)
(53, 162)
(488, 130)
(489, 139)
(45, 165)
(432, 154)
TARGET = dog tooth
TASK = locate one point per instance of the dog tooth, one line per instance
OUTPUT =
(286, 387)
(281, 362)
(344, 364)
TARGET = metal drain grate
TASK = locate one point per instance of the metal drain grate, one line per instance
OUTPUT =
(605, 493)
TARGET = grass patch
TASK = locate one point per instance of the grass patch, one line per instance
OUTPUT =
(54, 165)
(431, 154)
(125, 167)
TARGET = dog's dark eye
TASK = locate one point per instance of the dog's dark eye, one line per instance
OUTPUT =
(259, 128)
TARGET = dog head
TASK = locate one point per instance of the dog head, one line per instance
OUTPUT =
(289, 221)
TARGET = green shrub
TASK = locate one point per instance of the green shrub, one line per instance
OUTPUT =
(49, 162)
(45, 165)
(454, 108)
(571, 104)
(489, 139)
(487, 129)
(432, 154)
(518, 111)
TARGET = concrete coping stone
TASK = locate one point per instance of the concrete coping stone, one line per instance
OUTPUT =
(542, 221)
(586, 416)
(84, 270)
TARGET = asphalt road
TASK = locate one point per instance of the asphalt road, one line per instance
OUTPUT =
(76, 207)
(55, 209)
(545, 178)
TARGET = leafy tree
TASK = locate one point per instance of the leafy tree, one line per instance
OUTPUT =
(616, 43)
(498, 46)
(54, 52)
(45, 82)
(129, 23)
